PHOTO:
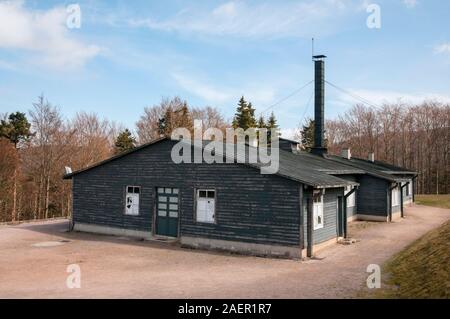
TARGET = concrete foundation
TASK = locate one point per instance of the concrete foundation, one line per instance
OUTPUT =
(212, 244)
(374, 218)
(241, 247)
(105, 230)
(322, 246)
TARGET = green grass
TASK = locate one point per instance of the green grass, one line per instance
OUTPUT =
(442, 201)
(422, 270)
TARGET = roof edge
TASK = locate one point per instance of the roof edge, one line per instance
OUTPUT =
(112, 158)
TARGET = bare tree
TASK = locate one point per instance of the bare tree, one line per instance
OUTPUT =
(173, 113)
(414, 136)
(48, 126)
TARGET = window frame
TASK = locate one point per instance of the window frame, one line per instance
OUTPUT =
(408, 189)
(139, 199)
(316, 225)
(395, 197)
(196, 197)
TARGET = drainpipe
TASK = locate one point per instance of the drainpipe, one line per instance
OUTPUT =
(401, 198)
(345, 209)
(310, 223)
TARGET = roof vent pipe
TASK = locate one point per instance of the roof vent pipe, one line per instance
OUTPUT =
(345, 153)
(372, 157)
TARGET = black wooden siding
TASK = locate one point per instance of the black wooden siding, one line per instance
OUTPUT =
(329, 230)
(250, 207)
(372, 196)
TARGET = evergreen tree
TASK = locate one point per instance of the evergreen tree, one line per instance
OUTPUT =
(16, 128)
(165, 123)
(272, 122)
(175, 116)
(245, 115)
(261, 122)
(307, 135)
(124, 142)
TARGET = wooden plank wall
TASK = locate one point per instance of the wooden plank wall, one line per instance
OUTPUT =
(250, 207)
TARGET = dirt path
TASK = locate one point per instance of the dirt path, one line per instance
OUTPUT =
(119, 267)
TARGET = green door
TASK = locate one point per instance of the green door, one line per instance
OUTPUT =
(167, 211)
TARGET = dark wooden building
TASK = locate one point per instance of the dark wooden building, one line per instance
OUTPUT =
(383, 189)
(233, 206)
(229, 206)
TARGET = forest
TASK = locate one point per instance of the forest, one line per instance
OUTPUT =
(35, 147)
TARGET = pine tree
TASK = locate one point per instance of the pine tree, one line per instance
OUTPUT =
(272, 122)
(176, 116)
(124, 142)
(245, 115)
(307, 135)
(261, 122)
(16, 128)
(166, 123)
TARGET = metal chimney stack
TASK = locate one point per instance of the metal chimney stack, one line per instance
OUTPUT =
(319, 105)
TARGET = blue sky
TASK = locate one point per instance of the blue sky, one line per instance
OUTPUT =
(129, 54)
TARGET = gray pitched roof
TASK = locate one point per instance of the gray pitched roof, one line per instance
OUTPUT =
(291, 166)
(369, 168)
(325, 165)
(389, 168)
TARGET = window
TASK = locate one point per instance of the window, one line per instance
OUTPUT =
(206, 206)
(318, 211)
(395, 197)
(132, 200)
(351, 200)
(408, 189)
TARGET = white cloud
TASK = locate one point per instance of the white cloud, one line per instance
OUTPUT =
(236, 18)
(410, 3)
(44, 33)
(201, 88)
(442, 48)
(378, 97)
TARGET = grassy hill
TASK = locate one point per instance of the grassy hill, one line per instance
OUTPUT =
(442, 201)
(422, 270)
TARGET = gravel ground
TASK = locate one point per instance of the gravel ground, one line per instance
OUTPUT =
(34, 258)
